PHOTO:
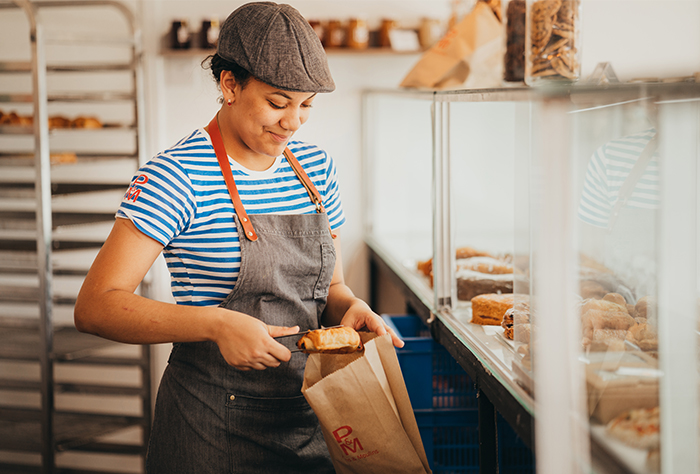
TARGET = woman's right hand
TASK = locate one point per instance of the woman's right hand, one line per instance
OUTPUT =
(247, 343)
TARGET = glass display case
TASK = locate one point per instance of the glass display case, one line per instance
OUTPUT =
(563, 268)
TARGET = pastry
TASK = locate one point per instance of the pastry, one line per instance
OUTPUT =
(597, 319)
(644, 336)
(340, 340)
(59, 121)
(603, 305)
(606, 340)
(646, 305)
(638, 428)
(518, 315)
(86, 122)
(615, 298)
(592, 289)
(9, 119)
(488, 309)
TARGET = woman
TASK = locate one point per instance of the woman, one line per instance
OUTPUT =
(247, 231)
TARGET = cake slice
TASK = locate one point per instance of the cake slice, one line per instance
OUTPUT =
(488, 309)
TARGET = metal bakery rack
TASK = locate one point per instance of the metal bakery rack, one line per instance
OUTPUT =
(69, 402)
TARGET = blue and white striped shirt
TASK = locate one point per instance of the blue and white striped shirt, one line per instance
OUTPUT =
(608, 169)
(180, 199)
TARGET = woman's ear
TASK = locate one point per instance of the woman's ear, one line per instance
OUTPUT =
(228, 86)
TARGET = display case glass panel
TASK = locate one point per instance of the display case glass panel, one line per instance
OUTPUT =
(399, 183)
(612, 231)
(488, 152)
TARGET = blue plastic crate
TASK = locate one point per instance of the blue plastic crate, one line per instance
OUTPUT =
(433, 378)
(451, 439)
(514, 457)
(443, 398)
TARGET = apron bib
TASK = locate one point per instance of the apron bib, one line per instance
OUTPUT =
(213, 418)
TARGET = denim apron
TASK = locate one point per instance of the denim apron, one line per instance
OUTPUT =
(213, 418)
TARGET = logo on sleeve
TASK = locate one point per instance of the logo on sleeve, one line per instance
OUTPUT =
(132, 194)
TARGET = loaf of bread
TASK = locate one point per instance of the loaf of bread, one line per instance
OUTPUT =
(341, 340)
(488, 309)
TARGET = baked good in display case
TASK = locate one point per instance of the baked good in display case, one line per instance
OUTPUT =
(488, 309)
(516, 320)
(477, 272)
(638, 427)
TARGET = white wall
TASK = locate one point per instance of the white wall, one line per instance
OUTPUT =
(640, 38)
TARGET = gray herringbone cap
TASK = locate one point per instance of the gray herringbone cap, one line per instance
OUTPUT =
(276, 45)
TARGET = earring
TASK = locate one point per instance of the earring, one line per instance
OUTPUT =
(229, 102)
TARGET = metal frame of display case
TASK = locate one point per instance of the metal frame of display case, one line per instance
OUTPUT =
(25, 339)
(496, 383)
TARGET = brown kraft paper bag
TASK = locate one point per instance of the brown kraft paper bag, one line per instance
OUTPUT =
(366, 416)
(470, 55)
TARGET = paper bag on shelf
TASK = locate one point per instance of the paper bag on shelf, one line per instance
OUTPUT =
(363, 407)
(470, 55)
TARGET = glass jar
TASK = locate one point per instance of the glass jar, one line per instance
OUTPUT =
(357, 34)
(385, 30)
(553, 49)
(180, 35)
(429, 32)
(209, 34)
(334, 36)
(514, 59)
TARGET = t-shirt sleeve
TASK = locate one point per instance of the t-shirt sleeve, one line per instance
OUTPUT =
(595, 206)
(160, 200)
(331, 196)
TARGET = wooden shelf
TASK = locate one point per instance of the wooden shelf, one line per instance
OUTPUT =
(199, 52)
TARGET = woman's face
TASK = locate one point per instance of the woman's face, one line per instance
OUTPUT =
(262, 118)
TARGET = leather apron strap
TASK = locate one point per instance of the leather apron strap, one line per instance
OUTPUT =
(222, 158)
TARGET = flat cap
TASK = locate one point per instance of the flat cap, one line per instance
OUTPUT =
(276, 44)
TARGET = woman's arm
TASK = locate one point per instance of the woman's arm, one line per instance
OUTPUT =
(107, 306)
(343, 307)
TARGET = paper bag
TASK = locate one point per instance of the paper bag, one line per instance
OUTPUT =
(470, 55)
(366, 416)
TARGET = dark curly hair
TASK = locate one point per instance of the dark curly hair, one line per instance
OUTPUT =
(217, 64)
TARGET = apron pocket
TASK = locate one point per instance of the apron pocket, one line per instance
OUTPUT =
(327, 266)
(284, 432)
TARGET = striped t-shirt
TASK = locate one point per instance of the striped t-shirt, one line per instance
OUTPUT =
(180, 199)
(608, 169)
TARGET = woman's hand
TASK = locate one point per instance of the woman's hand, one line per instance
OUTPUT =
(360, 316)
(247, 343)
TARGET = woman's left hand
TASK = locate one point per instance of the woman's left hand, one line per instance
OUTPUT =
(360, 316)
